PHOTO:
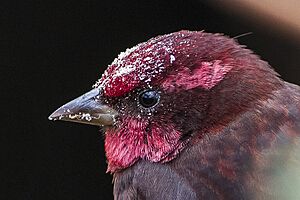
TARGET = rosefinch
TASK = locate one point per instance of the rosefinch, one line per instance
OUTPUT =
(194, 115)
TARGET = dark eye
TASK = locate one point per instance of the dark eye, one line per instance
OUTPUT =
(149, 98)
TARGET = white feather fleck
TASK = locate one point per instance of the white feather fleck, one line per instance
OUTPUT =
(172, 59)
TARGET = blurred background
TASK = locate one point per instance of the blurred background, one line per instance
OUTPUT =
(51, 52)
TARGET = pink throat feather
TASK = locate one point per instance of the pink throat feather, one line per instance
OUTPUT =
(133, 142)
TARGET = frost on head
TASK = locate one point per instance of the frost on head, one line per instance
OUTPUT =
(192, 55)
(138, 66)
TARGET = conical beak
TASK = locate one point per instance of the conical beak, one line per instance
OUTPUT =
(87, 109)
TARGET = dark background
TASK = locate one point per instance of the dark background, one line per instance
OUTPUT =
(52, 52)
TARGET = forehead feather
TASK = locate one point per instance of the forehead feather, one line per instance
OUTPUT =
(139, 65)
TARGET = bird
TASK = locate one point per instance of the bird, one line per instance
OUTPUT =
(194, 115)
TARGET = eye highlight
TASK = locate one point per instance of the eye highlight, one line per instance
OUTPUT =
(149, 98)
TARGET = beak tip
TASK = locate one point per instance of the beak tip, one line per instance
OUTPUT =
(55, 116)
(51, 118)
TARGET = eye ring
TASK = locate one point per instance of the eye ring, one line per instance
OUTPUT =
(149, 98)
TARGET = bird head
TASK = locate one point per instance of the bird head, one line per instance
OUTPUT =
(164, 94)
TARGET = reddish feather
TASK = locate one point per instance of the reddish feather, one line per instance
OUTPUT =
(129, 143)
(206, 75)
